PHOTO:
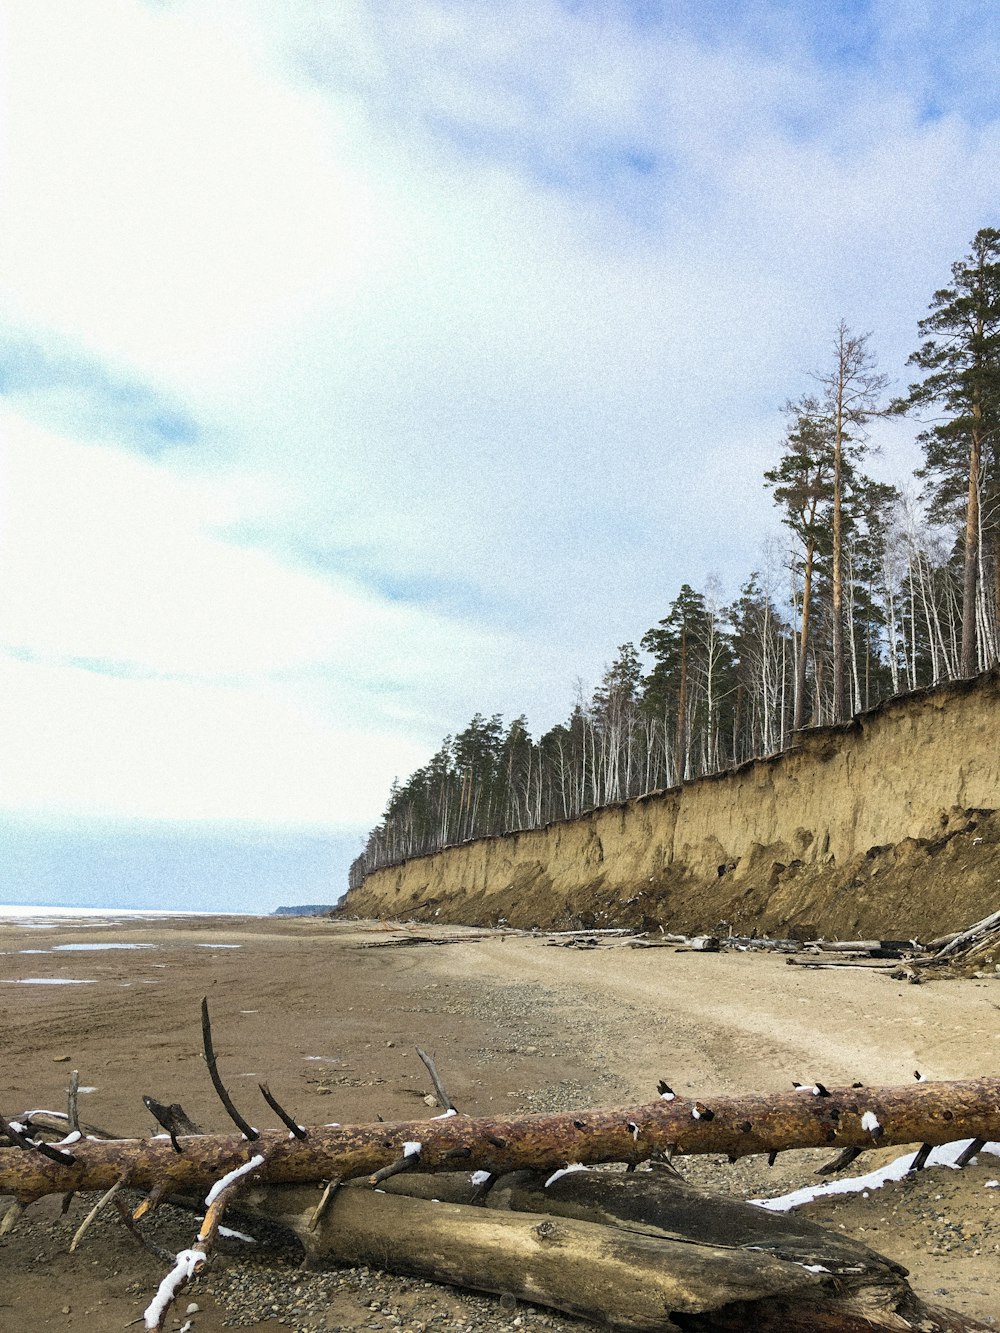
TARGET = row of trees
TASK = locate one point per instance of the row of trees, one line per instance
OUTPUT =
(880, 591)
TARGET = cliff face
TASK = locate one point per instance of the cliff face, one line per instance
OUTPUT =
(887, 826)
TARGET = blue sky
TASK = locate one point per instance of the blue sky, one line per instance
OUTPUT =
(363, 365)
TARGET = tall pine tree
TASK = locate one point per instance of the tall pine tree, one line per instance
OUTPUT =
(960, 358)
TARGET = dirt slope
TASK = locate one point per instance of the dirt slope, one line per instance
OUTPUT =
(887, 826)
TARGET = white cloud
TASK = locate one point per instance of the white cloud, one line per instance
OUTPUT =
(167, 202)
(485, 316)
(79, 744)
(154, 668)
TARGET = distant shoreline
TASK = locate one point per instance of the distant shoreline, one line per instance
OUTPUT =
(14, 911)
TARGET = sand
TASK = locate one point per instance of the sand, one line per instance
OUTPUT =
(331, 1025)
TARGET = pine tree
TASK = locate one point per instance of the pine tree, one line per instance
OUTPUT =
(960, 358)
(802, 483)
(851, 391)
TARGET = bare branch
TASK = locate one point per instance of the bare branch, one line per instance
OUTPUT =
(190, 1262)
(102, 1203)
(439, 1088)
(125, 1213)
(74, 1090)
(248, 1131)
(842, 1159)
(36, 1145)
(970, 1151)
(331, 1188)
(173, 1118)
(12, 1216)
(298, 1130)
(920, 1157)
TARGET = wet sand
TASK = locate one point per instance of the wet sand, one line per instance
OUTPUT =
(331, 1025)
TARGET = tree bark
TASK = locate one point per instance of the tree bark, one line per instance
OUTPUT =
(623, 1279)
(838, 574)
(639, 1251)
(800, 666)
(970, 660)
(738, 1126)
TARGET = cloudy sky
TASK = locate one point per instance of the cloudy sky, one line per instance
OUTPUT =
(365, 363)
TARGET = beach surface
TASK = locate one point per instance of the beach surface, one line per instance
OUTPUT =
(330, 1023)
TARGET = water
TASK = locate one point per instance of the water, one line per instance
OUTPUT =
(47, 918)
(47, 981)
(91, 948)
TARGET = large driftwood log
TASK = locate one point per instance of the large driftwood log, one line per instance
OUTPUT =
(628, 1279)
(931, 1113)
(639, 1251)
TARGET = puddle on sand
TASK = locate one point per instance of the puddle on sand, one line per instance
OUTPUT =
(91, 948)
(49, 981)
(199, 945)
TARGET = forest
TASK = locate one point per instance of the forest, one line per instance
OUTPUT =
(877, 590)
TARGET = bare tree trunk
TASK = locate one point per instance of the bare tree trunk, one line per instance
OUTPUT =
(800, 675)
(969, 663)
(837, 683)
(680, 743)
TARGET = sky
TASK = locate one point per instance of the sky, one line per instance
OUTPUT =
(364, 365)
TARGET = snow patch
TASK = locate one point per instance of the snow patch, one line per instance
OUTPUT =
(230, 1234)
(188, 1263)
(946, 1155)
(479, 1177)
(869, 1121)
(564, 1171)
(228, 1179)
(412, 1148)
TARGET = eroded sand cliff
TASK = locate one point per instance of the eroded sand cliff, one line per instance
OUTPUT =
(887, 826)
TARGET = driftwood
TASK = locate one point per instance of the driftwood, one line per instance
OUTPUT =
(737, 1126)
(818, 965)
(642, 1251)
(962, 951)
(630, 1278)
(631, 1250)
(971, 935)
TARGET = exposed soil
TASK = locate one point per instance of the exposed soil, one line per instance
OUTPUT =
(332, 1026)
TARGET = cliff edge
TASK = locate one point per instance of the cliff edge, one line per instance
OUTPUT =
(886, 826)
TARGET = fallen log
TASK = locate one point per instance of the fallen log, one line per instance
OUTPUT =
(736, 1126)
(971, 934)
(575, 1255)
(628, 1280)
(641, 1251)
(865, 964)
(857, 1288)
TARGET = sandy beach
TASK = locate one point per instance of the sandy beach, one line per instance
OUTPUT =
(330, 1023)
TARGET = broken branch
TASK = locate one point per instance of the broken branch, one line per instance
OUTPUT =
(248, 1131)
